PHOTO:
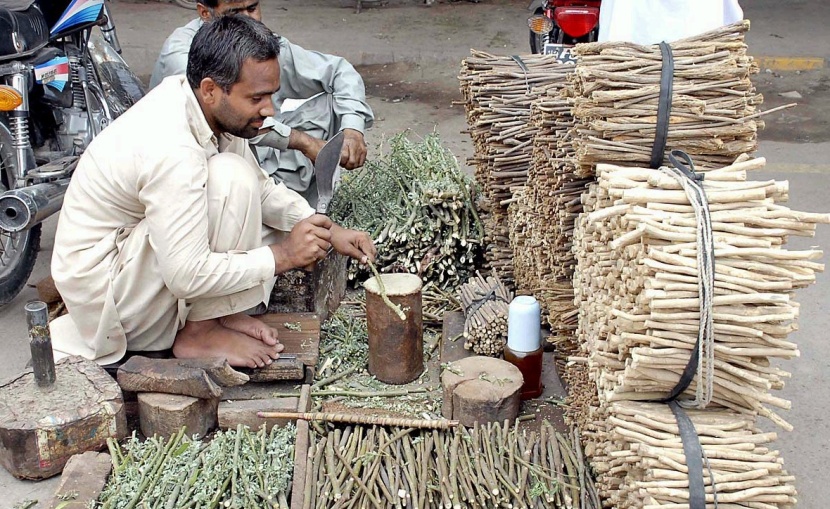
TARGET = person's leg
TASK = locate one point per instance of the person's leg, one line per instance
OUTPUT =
(218, 326)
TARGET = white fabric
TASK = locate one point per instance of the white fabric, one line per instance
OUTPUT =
(654, 21)
(149, 236)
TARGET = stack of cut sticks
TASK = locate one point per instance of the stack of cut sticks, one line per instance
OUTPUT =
(637, 289)
(637, 283)
(498, 94)
(485, 302)
(639, 459)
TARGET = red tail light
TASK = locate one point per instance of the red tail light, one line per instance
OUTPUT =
(576, 21)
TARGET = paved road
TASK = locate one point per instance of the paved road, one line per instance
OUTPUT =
(410, 73)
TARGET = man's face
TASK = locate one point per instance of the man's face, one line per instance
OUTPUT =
(248, 8)
(242, 110)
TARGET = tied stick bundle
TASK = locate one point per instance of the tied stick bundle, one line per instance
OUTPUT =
(542, 219)
(418, 207)
(637, 285)
(497, 95)
(639, 460)
(482, 467)
(485, 302)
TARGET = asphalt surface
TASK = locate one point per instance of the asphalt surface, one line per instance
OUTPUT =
(410, 54)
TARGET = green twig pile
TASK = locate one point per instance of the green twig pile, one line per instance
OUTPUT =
(237, 468)
(418, 207)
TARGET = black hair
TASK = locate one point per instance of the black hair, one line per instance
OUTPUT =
(221, 46)
(210, 4)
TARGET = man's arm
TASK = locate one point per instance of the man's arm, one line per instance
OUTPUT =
(172, 58)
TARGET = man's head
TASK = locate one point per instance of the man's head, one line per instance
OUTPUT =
(211, 9)
(233, 70)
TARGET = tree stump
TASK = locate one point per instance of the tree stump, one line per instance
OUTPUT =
(481, 389)
(41, 428)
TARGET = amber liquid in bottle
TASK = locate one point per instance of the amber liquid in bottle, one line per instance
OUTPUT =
(530, 364)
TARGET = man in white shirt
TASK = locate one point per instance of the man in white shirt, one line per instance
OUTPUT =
(169, 229)
(330, 94)
(654, 21)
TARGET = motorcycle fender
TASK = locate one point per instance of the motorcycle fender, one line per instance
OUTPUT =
(535, 4)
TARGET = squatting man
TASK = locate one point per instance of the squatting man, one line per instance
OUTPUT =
(320, 95)
(170, 230)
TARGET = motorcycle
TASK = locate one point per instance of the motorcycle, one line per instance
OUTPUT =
(557, 25)
(61, 83)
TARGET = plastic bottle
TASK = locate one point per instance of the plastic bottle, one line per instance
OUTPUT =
(524, 349)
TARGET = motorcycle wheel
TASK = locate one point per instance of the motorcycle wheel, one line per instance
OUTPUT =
(121, 85)
(187, 4)
(18, 251)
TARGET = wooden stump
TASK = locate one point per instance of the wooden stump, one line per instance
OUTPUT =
(142, 374)
(82, 481)
(319, 291)
(165, 414)
(481, 389)
(40, 429)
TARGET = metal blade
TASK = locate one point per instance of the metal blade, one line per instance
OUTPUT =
(324, 168)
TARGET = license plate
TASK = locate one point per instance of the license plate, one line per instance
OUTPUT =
(562, 53)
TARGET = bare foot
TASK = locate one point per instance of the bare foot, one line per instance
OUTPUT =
(210, 339)
(240, 322)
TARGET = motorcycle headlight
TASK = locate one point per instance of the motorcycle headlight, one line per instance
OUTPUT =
(9, 98)
(540, 24)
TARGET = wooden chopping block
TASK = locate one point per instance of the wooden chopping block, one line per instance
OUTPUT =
(165, 414)
(481, 389)
(300, 334)
(198, 378)
(42, 427)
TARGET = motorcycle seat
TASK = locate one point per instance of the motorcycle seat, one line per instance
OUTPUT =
(22, 33)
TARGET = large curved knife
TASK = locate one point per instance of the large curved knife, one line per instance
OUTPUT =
(324, 169)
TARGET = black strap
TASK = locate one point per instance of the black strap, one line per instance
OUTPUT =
(694, 457)
(663, 106)
(476, 304)
(518, 60)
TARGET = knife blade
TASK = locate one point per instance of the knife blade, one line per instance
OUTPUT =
(325, 167)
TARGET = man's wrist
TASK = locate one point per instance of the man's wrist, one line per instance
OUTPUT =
(281, 259)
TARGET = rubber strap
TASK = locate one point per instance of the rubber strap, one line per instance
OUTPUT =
(518, 60)
(694, 457)
(663, 106)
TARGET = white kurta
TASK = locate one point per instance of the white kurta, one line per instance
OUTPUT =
(156, 227)
(654, 21)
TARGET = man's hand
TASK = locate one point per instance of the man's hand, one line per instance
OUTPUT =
(308, 242)
(354, 149)
(353, 243)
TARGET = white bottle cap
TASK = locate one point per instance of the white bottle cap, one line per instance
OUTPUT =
(524, 324)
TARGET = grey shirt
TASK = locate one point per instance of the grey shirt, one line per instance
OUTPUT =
(303, 74)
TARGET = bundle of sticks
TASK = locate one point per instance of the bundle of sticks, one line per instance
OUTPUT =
(485, 302)
(498, 92)
(637, 285)
(486, 466)
(542, 219)
(616, 88)
(639, 460)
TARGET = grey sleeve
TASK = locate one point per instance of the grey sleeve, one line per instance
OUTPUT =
(304, 73)
(172, 59)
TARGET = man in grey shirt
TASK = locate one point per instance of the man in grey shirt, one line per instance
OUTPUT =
(333, 93)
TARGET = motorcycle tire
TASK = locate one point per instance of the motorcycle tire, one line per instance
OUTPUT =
(18, 251)
(187, 4)
(122, 86)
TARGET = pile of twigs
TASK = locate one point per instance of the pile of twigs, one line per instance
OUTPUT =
(484, 467)
(498, 94)
(485, 302)
(418, 207)
(237, 468)
(640, 462)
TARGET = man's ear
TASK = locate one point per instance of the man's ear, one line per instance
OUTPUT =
(210, 91)
(204, 12)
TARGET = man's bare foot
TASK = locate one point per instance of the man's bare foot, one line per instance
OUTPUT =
(240, 322)
(210, 339)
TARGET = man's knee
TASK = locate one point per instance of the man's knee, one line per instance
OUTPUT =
(231, 176)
